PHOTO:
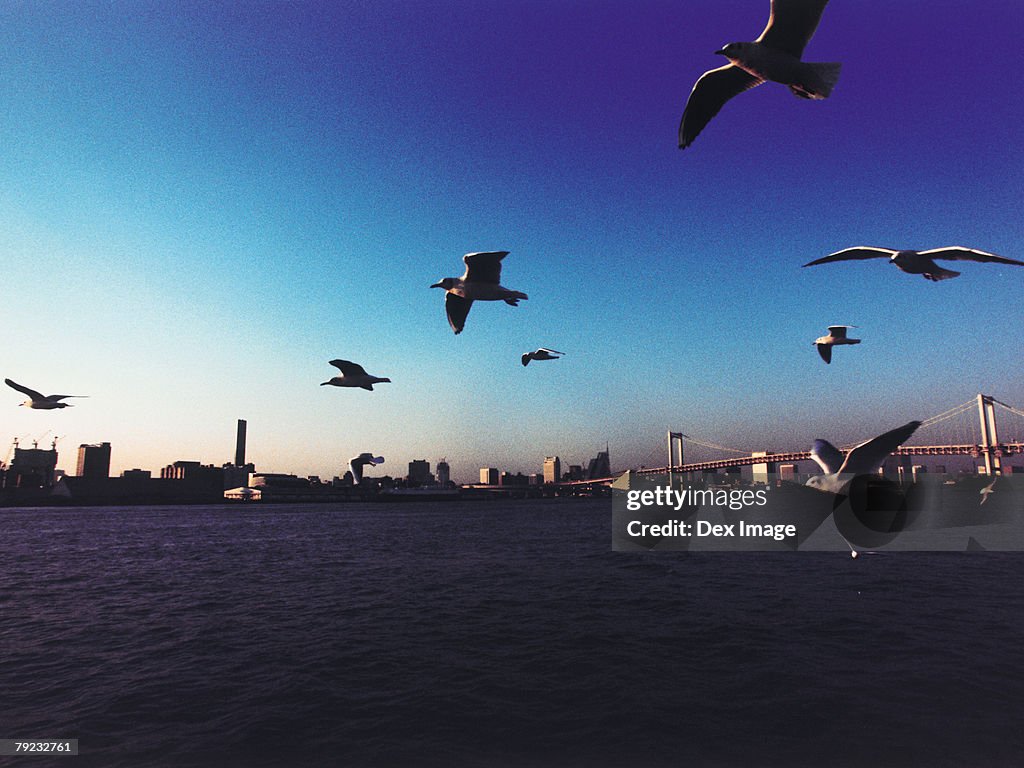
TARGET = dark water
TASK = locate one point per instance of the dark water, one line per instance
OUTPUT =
(491, 634)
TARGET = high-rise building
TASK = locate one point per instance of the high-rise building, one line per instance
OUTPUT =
(444, 473)
(488, 476)
(419, 472)
(94, 460)
(552, 469)
(599, 466)
(240, 444)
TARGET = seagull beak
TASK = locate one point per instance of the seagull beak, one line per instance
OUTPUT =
(720, 52)
(437, 285)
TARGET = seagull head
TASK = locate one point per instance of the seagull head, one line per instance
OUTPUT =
(732, 50)
(448, 283)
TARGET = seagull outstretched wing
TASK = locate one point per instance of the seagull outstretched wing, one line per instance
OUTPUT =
(26, 391)
(828, 457)
(457, 309)
(709, 94)
(348, 368)
(483, 267)
(867, 457)
(849, 254)
(961, 253)
(792, 24)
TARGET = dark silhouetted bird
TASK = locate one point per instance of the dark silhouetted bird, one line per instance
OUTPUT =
(481, 282)
(774, 56)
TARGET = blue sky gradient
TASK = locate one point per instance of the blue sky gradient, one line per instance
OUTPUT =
(206, 202)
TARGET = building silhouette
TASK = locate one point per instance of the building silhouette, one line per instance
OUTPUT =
(240, 444)
(31, 467)
(444, 473)
(552, 469)
(93, 460)
(489, 476)
(600, 466)
(419, 473)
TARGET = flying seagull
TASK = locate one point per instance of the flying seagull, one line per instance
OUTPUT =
(40, 401)
(480, 283)
(541, 354)
(863, 459)
(353, 375)
(917, 262)
(360, 461)
(836, 337)
(774, 56)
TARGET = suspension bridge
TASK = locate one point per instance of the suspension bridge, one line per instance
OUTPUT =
(982, 428)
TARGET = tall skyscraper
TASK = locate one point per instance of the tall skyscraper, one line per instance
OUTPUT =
(94, 460)
(488, 476)
(599, 466)
(240, 444)
(552, 469)
(444, 473)
(419, 472)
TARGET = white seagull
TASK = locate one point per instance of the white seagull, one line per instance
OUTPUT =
(541, 354)
(775, 56)
(356, 465)
(40, 401)
(481, 282)
(353, 375)
(917, 262)
(836, 337)
(863, 459)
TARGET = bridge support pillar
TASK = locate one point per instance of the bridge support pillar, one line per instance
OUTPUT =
(760, 472)
(989, 436)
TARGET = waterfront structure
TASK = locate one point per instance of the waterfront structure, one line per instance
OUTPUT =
(552, 469)
(444, 473)
(419, 473)
(93, 460)
(489, 476)
(600, 466)
(240, 443)
(137, 474)
(32, 467)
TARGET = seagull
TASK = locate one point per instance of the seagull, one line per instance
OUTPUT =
(353, 375)
(480, 283)
(40, 401)
(774, 56)
(836, 337)
(917, 262)
(360, 461)
(986, 491)
(541, 354)
(863, 459)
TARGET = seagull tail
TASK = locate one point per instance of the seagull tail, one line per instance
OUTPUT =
(818, 81)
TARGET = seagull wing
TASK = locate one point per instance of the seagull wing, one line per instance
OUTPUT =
(457, 308)
(550, 351)
(484, 267)
(960, 253)
(348, 369)
(829, 458)
(709, 94)
(837, 331)
(825, 350)
(851, 254)
(868, 456)
(791, 24)
(526, 358)
(26, 391)
(58, 398)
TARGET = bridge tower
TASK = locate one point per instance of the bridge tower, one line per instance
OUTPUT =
(674, 439)
(990, 450)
